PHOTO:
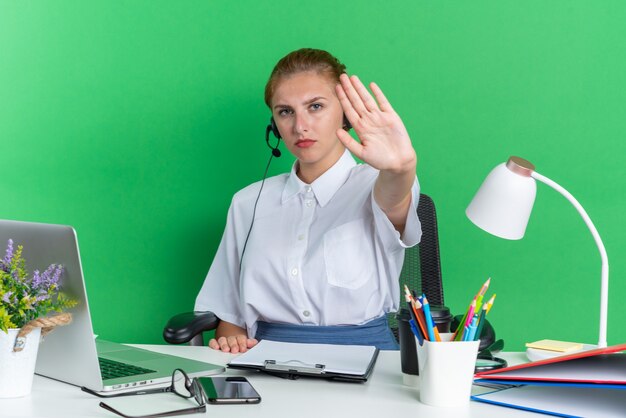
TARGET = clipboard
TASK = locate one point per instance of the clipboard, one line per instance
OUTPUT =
(349, 363)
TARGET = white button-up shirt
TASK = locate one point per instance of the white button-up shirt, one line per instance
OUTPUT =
(318, 254)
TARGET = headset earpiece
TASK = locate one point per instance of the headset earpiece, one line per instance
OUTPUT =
(274, 128)
(346, 123)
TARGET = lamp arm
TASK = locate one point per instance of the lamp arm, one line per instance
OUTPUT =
(604, 284)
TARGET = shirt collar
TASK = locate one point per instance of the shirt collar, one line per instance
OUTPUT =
(324, 186)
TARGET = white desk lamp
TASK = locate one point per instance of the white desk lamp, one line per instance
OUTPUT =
(502, 207)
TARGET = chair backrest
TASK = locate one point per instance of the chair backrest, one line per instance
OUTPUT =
(422, 267)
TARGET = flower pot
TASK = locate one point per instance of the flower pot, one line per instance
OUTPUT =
(17, 368)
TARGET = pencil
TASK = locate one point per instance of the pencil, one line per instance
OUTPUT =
(490, 302)
(472, 328)
(481, 294)
(458, 334)
(470, 313)
(420, 317)
(481, 321)
(428, 319)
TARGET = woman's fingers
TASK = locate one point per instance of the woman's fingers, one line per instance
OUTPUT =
(353, 146)
(233, 344)
(348, 109)
(364, 95)
(384, 104)
(352, 95)
(222, 343)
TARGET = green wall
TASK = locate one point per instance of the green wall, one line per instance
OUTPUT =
(136, 121)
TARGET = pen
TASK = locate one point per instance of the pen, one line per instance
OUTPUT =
(428, 319)
(416, 332)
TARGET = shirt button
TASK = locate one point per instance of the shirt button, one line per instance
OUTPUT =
(301, 237)
(294, 271)
(308, 202)
(306, 313)
(308, 189)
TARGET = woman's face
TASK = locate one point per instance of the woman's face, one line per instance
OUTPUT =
(308, 113)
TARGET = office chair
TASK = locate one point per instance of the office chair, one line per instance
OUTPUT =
(421, 272)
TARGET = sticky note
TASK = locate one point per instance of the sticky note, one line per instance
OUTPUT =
(552, 345)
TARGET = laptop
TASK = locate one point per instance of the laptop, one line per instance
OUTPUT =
(71, 353)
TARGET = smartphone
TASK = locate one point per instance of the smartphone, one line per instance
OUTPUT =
(229, 390)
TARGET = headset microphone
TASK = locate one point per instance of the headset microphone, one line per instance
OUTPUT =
(272, 128)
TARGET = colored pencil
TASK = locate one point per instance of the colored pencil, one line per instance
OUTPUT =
(490, 302)
(428, 319)
(481, 294)
(481, 321)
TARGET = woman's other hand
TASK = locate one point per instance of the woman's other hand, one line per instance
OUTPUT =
(233, 344)
(231, 338)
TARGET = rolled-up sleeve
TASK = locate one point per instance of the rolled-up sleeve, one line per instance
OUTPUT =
(412, 227)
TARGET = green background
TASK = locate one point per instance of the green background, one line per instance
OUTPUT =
(136, 121)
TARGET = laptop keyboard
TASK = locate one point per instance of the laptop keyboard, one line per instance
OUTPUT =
(111, 369)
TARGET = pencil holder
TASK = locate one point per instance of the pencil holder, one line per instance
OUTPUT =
(446, 371)
(408, 354)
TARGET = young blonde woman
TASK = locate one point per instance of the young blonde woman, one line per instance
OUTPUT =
(322, 260)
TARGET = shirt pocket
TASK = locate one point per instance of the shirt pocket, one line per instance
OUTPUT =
(348, 255)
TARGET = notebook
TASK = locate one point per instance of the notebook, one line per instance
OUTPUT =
(71, 353)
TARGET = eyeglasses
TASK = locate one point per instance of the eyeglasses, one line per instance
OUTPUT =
(182, 386)
(486, 359)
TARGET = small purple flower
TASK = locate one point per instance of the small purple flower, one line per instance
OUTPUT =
(9, 253)
(6, 297)
(57, 275)
(36, 279)
(42, 297)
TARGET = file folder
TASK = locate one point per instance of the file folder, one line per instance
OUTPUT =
(352, 363)
(588, 384)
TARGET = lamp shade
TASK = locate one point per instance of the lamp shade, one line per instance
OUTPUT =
(503, 203)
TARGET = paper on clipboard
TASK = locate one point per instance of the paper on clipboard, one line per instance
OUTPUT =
(340, 359)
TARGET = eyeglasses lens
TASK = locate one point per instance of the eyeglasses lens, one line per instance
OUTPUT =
(182, 385)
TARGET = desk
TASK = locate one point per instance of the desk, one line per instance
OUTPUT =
(383, 395)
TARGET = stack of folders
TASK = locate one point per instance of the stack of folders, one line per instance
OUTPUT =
(585, 384)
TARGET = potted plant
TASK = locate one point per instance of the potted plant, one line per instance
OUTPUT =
(27, 304)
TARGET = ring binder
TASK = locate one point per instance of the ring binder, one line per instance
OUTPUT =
(287, 366)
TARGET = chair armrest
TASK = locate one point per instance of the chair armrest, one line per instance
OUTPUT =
(184, 327)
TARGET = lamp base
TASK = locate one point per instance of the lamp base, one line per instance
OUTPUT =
(535, 354)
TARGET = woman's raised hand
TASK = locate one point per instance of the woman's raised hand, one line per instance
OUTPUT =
(384, 141)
